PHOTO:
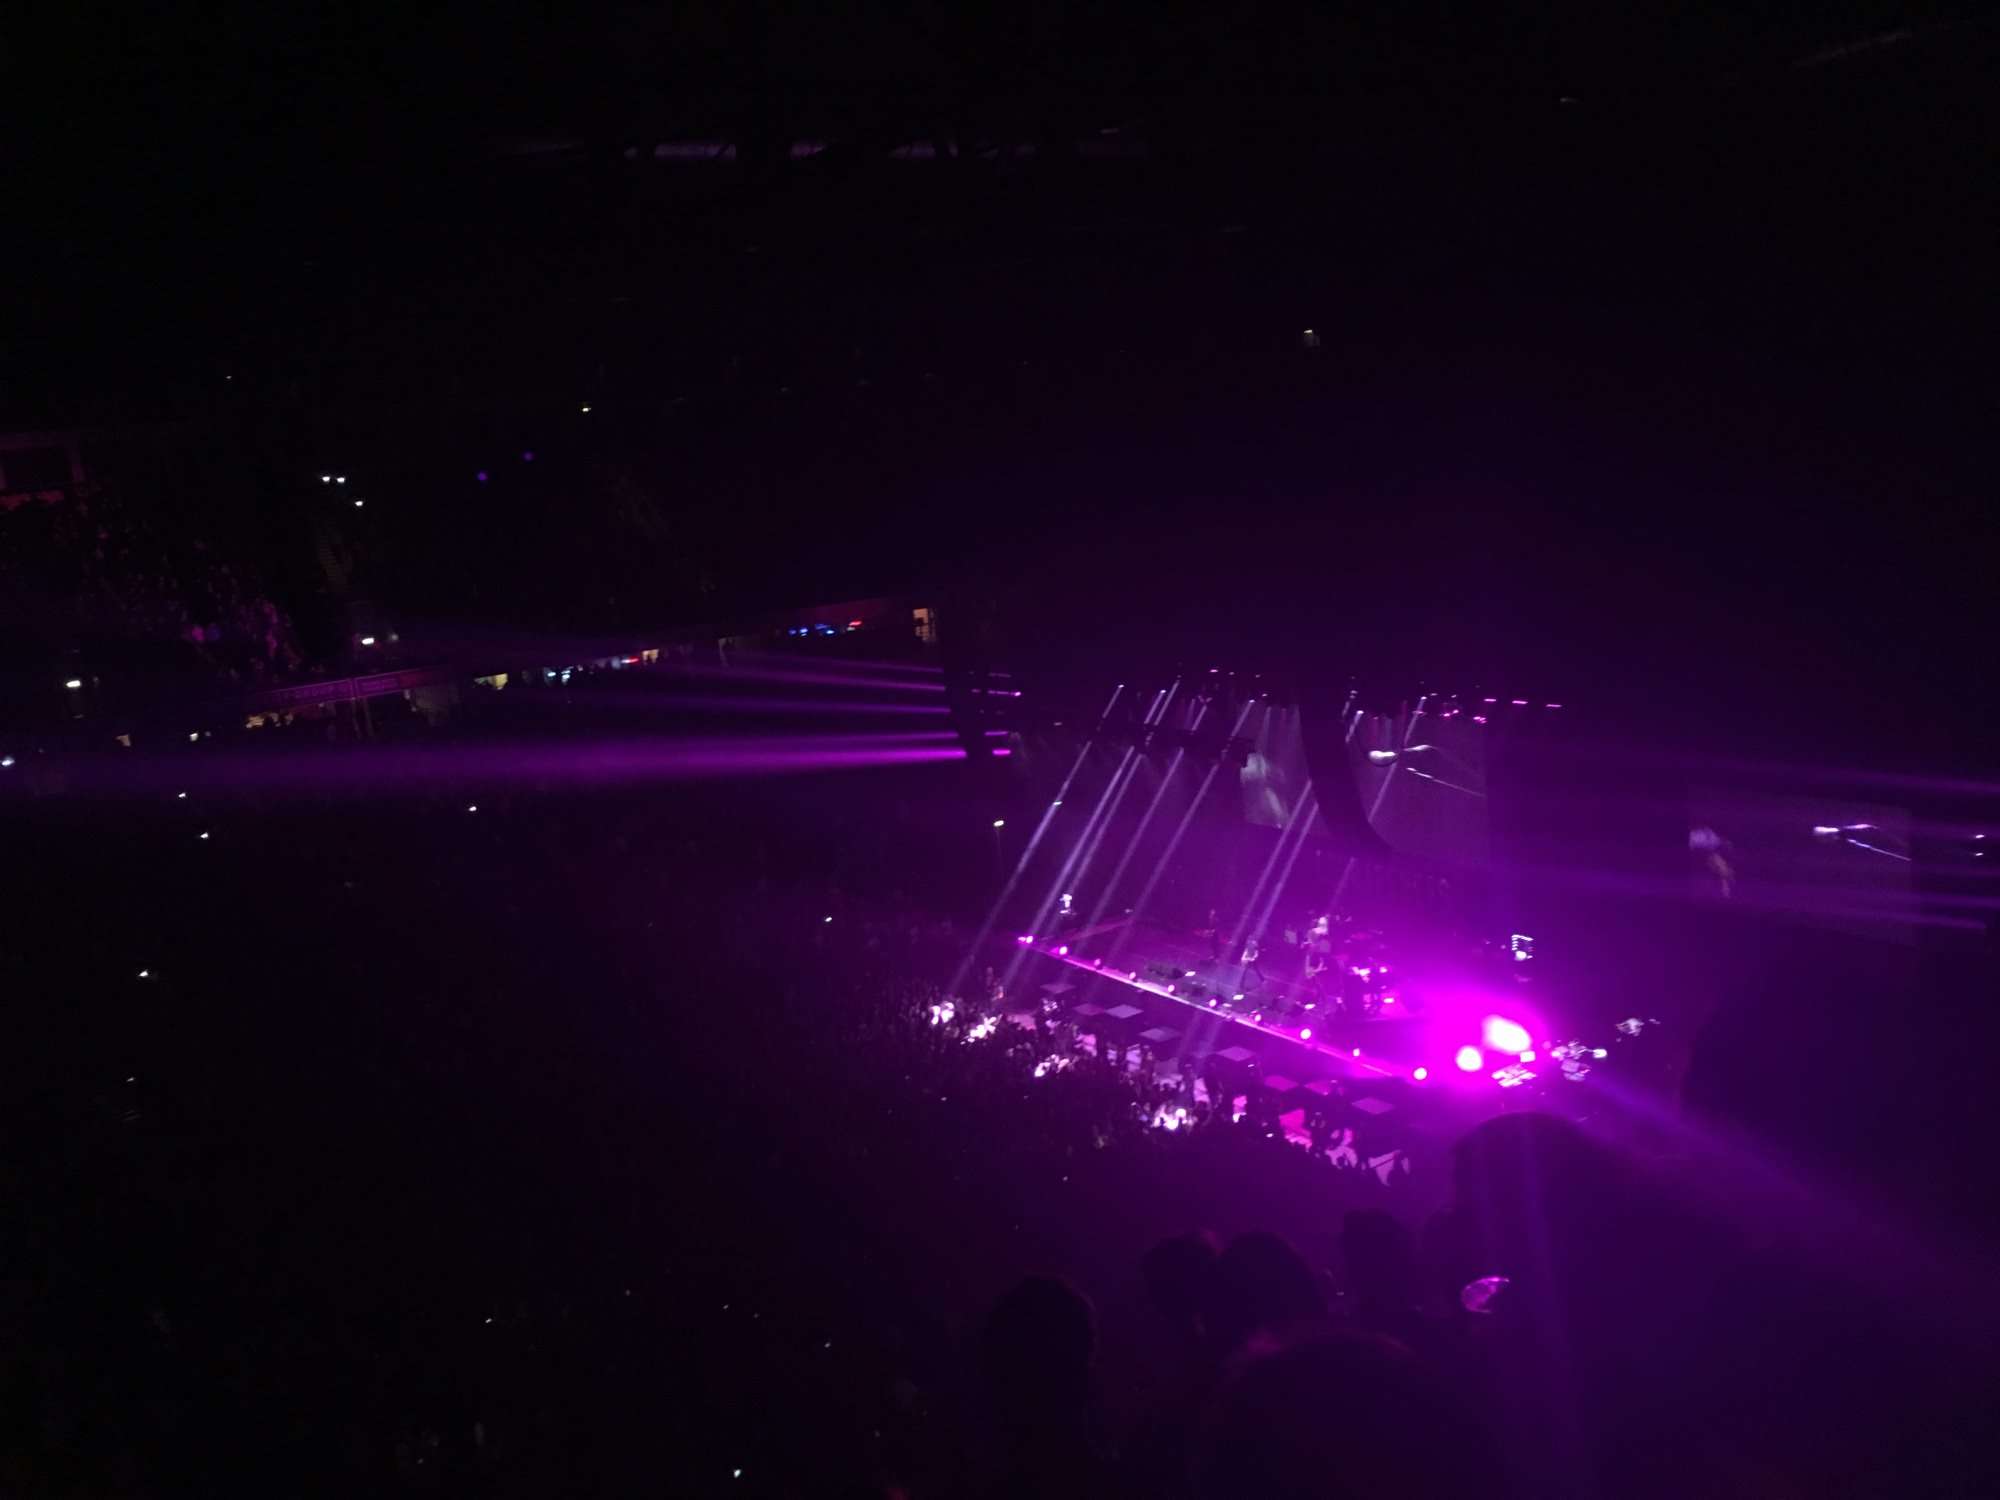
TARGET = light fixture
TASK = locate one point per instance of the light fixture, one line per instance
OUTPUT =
(74, 683)
(1469, 1060)
(999, 822)
(359, 503)
(1421, 1074)
(368, 640)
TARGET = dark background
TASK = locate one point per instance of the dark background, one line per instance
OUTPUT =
(1651, 346)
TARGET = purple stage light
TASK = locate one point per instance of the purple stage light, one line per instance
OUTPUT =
(1520, 702)
(1025, 938)
(1421, 1074)
(1470, 1060)
(480, 476)
(1170, 988)
(1357, 1051)
(1479, 718)
(1063, 951)
(1097, 963)
(1503, 1035)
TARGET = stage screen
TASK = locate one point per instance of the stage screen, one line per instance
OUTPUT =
(1833, 863)
(1422, 778)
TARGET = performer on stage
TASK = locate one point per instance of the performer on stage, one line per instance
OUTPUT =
(1252, 955)
(1316, 962)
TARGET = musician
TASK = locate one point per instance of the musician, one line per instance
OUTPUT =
(1252, 962)
(1317, 959)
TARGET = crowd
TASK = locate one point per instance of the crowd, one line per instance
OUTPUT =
(526, 1139)
(135, 595)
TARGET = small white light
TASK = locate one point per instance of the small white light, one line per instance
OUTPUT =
(368, 640)
(6, 761)
(474, 807)
(193, 735)
(826, 919)
(340, 479)
(204, 835)
(326, 479)
(180, 796)
(999, 822)
(74, 683)
(359, 503)
(145, 973)
(587, 409)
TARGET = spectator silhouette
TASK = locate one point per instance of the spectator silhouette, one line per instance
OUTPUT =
(1382, 1277)
(1180, 1286)
(1261, 1284)
(1038, 1346)
(1340, 1416)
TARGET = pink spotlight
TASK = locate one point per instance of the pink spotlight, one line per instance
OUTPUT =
(1469, 1060)
(1503, 1035)
(1357, 1051)
(1421, 1074)
(1025, 938)
(1063, 951)
(1305, 1033)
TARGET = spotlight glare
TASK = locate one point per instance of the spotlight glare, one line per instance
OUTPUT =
(1063, 951)
(1421, 1074)
(1305, 1033)
(1357, 1051)
(1469, 1060)
(74, 683)
(1503, 1035)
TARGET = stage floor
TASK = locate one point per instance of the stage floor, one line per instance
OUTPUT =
(1173, 981)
